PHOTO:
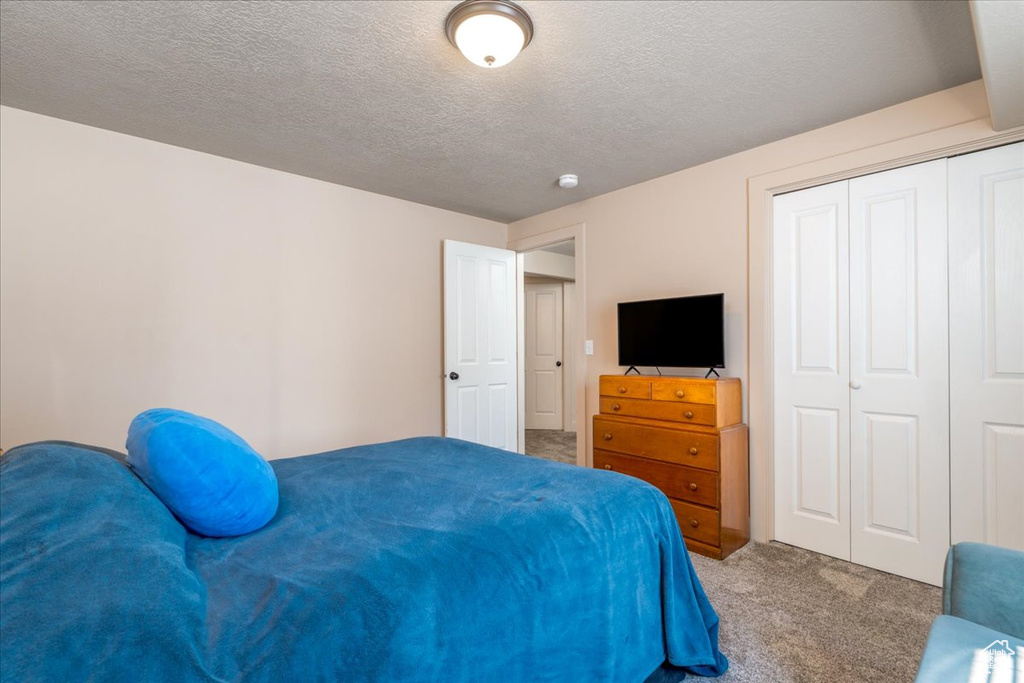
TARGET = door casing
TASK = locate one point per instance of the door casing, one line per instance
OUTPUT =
(577, 233)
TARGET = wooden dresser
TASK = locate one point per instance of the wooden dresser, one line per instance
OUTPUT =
(685, 436)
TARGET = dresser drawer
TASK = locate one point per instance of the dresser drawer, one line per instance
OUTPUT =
(698, 523)
(625, 387)
(696, 413)
(671, 445)
(683, 390)
(686, 483)
(692, 413)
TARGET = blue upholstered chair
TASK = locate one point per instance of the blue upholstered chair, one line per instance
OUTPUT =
(982, 617)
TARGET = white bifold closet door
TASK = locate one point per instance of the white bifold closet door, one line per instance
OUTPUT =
(986, 343)
(811, 316)
(861, 370)
(899, 372)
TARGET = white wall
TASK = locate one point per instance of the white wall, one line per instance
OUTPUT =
(133, 274)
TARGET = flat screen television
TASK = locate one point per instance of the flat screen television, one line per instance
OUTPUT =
(685, 332)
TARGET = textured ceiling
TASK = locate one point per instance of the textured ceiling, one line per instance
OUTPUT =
(371, 94)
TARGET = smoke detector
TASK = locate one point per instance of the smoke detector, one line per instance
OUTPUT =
(568, 181)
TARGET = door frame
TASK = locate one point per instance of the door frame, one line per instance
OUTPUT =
(971, 136)
(577, 233)
(568, 384)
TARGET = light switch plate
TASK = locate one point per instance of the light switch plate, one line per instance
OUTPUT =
(589, 348)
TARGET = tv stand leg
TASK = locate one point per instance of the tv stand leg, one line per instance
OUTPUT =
(633, 368)
(712, 370)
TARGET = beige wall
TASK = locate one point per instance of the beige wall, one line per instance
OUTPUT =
(305, 315)
(135, 274)
(687, 233)
(545, 263)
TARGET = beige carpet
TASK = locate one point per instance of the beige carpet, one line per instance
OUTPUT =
(790, 615)
(552, 444)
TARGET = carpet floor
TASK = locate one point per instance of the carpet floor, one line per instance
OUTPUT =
(552, 444)
(793, 616)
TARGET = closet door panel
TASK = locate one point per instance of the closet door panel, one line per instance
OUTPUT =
(811, 393)
(899, 450)
(986, 304)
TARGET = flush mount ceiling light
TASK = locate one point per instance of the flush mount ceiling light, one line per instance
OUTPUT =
(490, 33)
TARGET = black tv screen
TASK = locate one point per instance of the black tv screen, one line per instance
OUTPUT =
(685, 332)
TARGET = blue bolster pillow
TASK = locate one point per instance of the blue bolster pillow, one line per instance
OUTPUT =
(211, 479)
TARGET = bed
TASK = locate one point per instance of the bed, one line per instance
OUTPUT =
(426, 559)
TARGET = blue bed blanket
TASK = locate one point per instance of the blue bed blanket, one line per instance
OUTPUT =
(426, 559)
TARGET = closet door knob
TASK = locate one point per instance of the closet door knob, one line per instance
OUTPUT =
(558, 363)
(693, 487)
(688, 414)
(855, 385)
(679, 393)
(693, 450)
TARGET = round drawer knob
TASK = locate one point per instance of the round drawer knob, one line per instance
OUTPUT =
(693, 450)
(607, 436)
(616, 406)
(607, 467)
(679, 393)
(694, 523)
(622, 390)
(688, 414)
(693, 487)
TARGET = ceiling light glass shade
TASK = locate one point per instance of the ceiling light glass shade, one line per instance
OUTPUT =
(489, 40)
(490, 33)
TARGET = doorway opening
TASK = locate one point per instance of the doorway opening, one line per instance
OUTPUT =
(573, 374)
(549, 334)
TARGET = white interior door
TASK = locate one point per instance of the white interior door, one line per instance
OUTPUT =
(986, 344)
(899, 372)
(480, 344)
(544, 356)
(810, 312)
(569, 345)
